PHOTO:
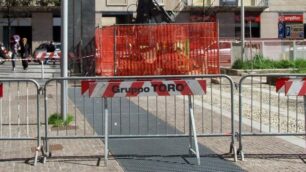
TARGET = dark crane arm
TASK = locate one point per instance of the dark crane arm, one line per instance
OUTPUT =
(149, 11)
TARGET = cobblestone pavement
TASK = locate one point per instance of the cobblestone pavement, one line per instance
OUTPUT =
(18, 157)
(67, 155)
(261, 153)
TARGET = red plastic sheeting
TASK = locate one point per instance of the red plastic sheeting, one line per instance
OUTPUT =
(165, 49)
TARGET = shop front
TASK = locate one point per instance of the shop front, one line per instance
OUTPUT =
(291, 26)
(252, 25)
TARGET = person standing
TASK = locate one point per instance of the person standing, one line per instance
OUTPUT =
(15, 47)
(24, 52)
(50, 49)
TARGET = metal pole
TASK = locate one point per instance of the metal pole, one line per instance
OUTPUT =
(64, 59)
(305, 114)
(115, 48)
(42, 70)
(194, 133)
(251, 47)
(190, 125)
(38, 128)
(81, 41)
(203, 11)
(242, 31)
(46, 146)
(240, 120)
(105, 132)
(9, 24)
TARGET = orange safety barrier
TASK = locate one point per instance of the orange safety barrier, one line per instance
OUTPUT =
(163, 49)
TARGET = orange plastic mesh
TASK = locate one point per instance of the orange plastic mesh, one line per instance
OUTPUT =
(165, 49)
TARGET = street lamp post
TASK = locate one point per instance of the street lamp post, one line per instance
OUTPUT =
(242, 31)
(64, 59)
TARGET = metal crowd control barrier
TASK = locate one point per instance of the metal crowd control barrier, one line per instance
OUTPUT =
(130, 109)
(271, 105)
(18, 120)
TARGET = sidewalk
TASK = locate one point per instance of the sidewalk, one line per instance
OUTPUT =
(67, 155)
(261, 153)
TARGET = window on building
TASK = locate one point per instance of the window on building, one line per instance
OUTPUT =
(56, 33)
(229, 2)
(252, 25)
(116, 2)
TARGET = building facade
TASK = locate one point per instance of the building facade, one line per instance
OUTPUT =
(37, 21)
(264, 18)
(40, 21)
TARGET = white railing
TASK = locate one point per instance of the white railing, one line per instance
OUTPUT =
(270, 49)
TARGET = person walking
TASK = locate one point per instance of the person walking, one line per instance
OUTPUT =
(15, 47)
(24, 52)
(50, 49)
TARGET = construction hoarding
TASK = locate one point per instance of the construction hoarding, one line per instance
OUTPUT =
(163, 49)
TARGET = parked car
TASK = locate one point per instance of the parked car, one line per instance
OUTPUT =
(45, 53)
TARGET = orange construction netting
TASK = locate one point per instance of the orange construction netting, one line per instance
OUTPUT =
(164, 49)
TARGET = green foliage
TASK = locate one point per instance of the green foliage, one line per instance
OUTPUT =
(259, 62)
(300, 63)
(25, 3)
(283, 64)
(301, 70)
(56, 120)
(238, 64)
(68, 120)
(50, 2)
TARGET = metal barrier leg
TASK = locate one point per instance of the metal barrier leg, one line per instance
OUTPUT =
(36, 155)
(39, 145)
(234, 151)
(38, 130)
(105, 132)
(240, 149)
(305, 115)
(194, 133)
(45, 147)
(43, 155)
(190, 132)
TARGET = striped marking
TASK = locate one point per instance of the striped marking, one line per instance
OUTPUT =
(85, 86)
(51, 55)
(147, 88)
(291, 86)
(280, 84)
(295, 88)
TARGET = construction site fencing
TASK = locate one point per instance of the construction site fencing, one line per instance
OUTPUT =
(160, 49)
(19, 111)
(147, 116)
(272, 105)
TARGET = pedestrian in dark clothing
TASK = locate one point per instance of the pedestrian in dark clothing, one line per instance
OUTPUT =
(25, 52)
(15, 47)
(50, 49)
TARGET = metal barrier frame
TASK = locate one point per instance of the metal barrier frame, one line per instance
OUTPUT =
(241, 133)
(38, 137)
(192, 133)
(192, 129)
